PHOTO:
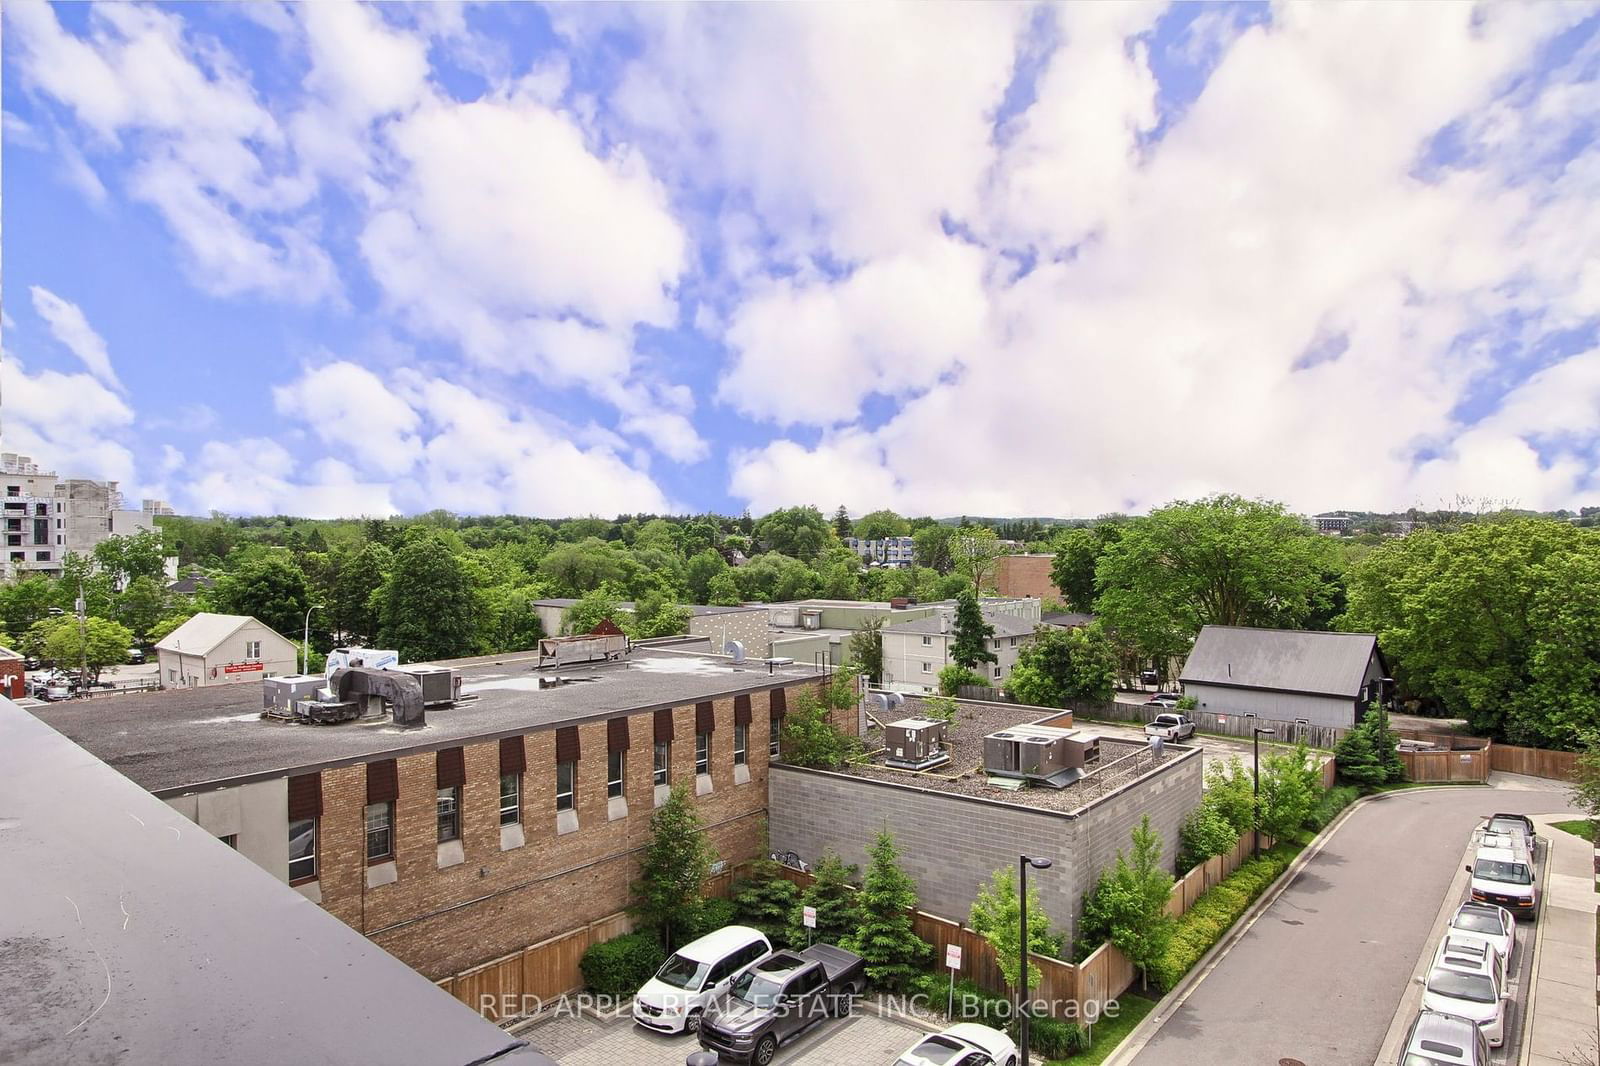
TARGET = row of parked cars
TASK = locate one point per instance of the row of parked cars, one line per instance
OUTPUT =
(743, 1000)
(1465, 993)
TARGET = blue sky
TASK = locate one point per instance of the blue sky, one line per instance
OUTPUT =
(999, 259)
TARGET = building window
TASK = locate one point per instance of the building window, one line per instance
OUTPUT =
(16, 490)
(663, 765)
(252, 649)
(510, 799)
(614, 763)
(44, 557)
(927, 668)
(61, 523)
(232, 840)
(702, 753)
(566, 773)
(302, 850)
(380, 831)
(449, 811)
(1014, 644)
(172, 676)
(997, 674)
(741, 742)
(774, 737)
(929, 640)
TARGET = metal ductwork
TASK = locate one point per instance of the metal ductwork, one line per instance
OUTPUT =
(402, 692)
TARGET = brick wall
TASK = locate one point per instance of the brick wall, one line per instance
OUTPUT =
(442, 921)
(1026, 575)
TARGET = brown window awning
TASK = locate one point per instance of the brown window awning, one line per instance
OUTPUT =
(617, 735)
(383, 781)
(663, 726)
(452, 768)
(705, 720)
(741, 710)
(567, 744)
(305, 796)
(779, 702)
(513, 755)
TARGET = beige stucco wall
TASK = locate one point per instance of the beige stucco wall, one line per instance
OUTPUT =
(749, 628)
(257, 814)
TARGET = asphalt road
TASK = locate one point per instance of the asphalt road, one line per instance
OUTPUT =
(1318, 976)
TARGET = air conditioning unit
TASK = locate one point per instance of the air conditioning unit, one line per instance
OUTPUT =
(438, 683)
(1040, 754)
(280, 694)
(915, 744)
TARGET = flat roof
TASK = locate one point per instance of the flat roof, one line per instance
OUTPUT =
(699, 610)
(1122, 761)
(131, 934)
(174, 740)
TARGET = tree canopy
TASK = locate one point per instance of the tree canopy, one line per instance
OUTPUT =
(1057, 666)
(799, 532)
(972, 634)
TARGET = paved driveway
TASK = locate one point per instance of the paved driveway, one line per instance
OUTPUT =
(587, 1041)
(1318, 976)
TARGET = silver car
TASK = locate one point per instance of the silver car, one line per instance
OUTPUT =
(1439, 1039)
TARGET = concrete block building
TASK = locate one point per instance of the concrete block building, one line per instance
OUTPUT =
(516, 812)
(1285, 675)
(46, 517)
(223, 649)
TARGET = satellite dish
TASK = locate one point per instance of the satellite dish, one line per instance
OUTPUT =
(735, 650)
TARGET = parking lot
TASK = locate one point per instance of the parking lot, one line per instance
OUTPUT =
(1213, 749)
(587, 1040)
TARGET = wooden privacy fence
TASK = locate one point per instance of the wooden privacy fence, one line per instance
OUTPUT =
(1230, 725)
(1535, 762)
(519, 983)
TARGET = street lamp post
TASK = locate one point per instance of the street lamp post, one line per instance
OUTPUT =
(305, 643)
(1256, 733)
(1023, 862)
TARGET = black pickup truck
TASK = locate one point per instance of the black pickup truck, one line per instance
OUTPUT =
(779, 998)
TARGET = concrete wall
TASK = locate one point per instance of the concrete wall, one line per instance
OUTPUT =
(749, 628)
(257, 814)
(951, 844)
(1278, 706)
(805, 647)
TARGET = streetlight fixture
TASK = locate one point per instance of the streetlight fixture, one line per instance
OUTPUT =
(1023, 862)
(305, 643)
(1256, 733)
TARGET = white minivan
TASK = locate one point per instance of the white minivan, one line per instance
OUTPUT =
(697, 973)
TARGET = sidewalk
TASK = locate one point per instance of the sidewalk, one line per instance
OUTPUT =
(1563, 1021)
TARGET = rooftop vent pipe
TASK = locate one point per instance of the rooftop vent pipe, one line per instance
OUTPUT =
(403, 692)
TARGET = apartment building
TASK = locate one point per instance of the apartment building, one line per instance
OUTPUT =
(46, 517)
(897, 552)
(914, 652)
(515, 812)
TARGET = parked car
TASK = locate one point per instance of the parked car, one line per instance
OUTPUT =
(1164, 699)
(675, 998)
(1487, 921)
(1460, 951)
(136, 656)
(1476, 995)
(963, 1044)
(1438, 1039)
(1519, 825)
(1505, 876)
(1170, 726)
(779, 998)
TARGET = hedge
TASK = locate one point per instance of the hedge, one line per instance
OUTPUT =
(618, 967)
(1214, 913)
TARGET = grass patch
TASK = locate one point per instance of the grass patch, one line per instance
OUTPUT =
(1579, 827)
(1110, 1032)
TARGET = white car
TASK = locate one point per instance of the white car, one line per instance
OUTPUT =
(963, 1044)
(1444, 1040)
(1474, 995)
(697, 973)
(1487, 921)
(1470, 954)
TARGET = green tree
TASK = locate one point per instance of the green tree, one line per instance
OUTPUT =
(865, 650)
(1586, 781)
(140, 605)
(1204, 834)
(798, 532)
(876, 525)
(952, 677)
(267, 585)
(1289, 792)
(655, 615)
(833, 895)
(571, 569)
(168, 622)
(841, 522)
(106, 645)
(507, 620)
(1223, 560)
(766, 900)
(972, 634)
(428, 604)
(976, 553)
(894, 953)
(700, 571)
(723, 590)
(593, 607)
(1057, 666)
(1496, 621)
(674, 867)
(997, 917)
(24, 602)
(773, 577)
(124, 558)
(1358, 760)
(1078, 553)
(841, 581)
(811, 739)
(354, 603)
(1128, 904)
(931, 547)
(1230, 788)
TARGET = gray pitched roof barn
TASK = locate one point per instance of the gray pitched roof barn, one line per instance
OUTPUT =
(1281, 660)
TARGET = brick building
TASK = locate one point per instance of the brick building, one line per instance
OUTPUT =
(513, 814)
(1026, 575)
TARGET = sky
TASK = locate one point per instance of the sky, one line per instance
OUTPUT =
(999, 259)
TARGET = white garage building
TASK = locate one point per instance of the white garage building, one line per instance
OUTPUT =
(223, 649)
(1285, 675)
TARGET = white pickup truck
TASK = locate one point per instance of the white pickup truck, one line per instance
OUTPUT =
(1170, 726)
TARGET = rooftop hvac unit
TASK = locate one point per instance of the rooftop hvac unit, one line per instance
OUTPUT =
(784, 616)
(280, 694)
(810, 619)
(915, 744)
(371, 658)
(1042, 754)
(327, 712)
(886, 703)
(584, 648)
(439, 683)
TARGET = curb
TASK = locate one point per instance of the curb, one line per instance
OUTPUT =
(1142, 1034)
(1532, 990)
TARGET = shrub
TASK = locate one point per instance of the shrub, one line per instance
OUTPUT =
(1053, 1039)
(619, 967)
(1187, 703)
(767, 902)
(1205, 834)
(838, 909)
(811, 739)
(1215, 912)
(707, 917)
(1329, 804)
(952, 677)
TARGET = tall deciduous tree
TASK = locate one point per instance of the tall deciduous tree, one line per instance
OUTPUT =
(701, 569)
(269, 586)
(972, 634)
(866, 650)
(674, 867)
(876, 525)
(800, 532)
(106, 644)
(886, 939)
(1497, 621)
(1078, 553)
(976, 552)
(997, 917)
(1059, 665)
(140, 605)
(931, 546)
(1128, 904)
(354, 606)
(124, 558)
(429, 604)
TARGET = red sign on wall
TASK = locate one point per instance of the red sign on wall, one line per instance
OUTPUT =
(239, 668)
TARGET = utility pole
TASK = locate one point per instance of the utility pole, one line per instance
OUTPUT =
(83, 643)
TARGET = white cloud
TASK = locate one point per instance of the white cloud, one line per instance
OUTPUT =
(69, 326)
(69, 422)
(349, 407)
(256, 476)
